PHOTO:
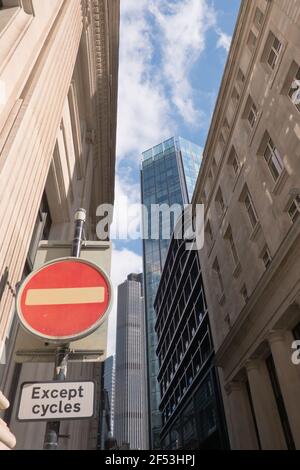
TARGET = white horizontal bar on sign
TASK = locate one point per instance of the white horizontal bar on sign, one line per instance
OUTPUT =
(63, 296)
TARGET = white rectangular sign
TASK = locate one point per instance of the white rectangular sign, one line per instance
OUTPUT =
(46, 401)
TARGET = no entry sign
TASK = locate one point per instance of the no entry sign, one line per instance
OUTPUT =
(64, 300)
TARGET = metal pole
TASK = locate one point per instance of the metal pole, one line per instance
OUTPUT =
(60, 373)
(80, 217)
(61, 355)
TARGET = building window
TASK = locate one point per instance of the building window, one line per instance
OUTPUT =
(217, 270)
(208, 232)
(222, 140)
(258, 17)
(233, 161)
(266, 257)
(214, 167)
(294, 209)
(274, 52)
(240, 77)
(250, 210)
(232, 247)
(251, 40)
(235, 95)
(225, 128)
(294, 90)
(220, 202)
(273, 159)
(235, 165)
(252, 114)
(244, 293)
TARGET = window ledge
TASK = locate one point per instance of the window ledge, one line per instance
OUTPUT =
(280, 182)
(255, 231)
(237, 270)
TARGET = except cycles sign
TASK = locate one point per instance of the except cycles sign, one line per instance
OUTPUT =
(64, 300)
(56, 401)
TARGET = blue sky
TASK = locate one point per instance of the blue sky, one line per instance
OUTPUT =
(172, 57)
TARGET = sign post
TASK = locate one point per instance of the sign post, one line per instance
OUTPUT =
(64, 300)
(61, 356)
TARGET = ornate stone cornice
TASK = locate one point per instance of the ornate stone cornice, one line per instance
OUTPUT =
(105, 36)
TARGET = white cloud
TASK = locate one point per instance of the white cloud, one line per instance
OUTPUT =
(224, 40)
(183, 25)
(123, 262)
(144, 110)
(127, 208)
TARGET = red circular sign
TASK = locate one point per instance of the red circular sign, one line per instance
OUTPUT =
(65, 299)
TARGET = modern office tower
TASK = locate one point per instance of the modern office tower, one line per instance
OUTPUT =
(191, 403)
(130, 416)
(58, 110)
(168, 176)
(250, 184)
(109, 374)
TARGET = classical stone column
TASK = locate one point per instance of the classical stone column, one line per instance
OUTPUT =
(242, 435)
(288, 377)
(265, 407)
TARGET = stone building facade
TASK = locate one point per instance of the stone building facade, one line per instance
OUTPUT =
(249, 183)
(58, 107)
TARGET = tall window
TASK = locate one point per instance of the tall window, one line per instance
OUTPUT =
(225, 128)
(244, 293)
(294, 209)
(240, 78)
(217, 270)
(233, 247)
(273, 159)
(266, 257)
(274, 51)
(234, 161)
(235, 165)
(208, 232)
(214, 166)
(251, 40)
(250, 210)
(235, 95)
(258, 17)
(220, 202)
(252, 114)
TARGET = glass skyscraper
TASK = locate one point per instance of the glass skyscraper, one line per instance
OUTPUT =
(168, 176)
